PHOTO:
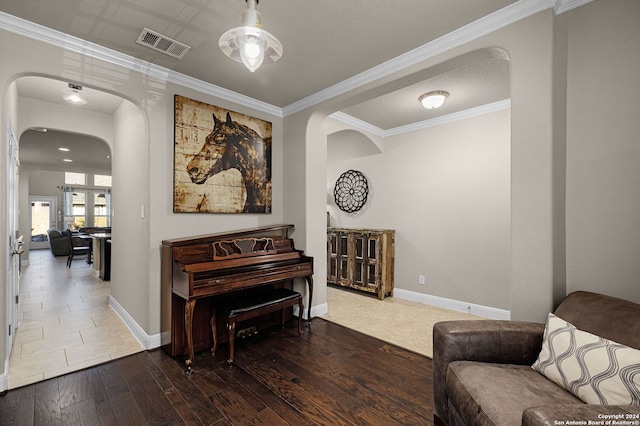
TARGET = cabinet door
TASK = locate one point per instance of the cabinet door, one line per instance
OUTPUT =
(374, 251)
(344, 261)
(333, 257)
(366, 255)
(359, 260)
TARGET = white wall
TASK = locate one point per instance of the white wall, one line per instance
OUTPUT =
(594, 173)
(136, 286)
(603, 149)
(446, 192)
(529, 45)
(130, 250)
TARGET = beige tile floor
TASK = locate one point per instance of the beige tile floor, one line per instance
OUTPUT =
(401, 322)
(66, 323)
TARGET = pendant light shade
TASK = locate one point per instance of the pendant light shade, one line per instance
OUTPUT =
(250, 44)
(433, 100)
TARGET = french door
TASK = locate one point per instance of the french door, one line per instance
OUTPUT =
(42, 216)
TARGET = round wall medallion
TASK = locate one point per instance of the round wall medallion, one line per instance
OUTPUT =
(351, 191)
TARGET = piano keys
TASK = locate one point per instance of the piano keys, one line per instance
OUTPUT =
(198, 272)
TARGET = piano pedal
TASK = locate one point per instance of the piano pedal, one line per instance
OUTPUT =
(246, 332)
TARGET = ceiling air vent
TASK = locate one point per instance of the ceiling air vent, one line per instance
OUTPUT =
(157, 41)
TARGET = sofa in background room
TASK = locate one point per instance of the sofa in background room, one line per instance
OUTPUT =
(58, 242)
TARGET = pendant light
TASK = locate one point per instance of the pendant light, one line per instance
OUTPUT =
(250, 44)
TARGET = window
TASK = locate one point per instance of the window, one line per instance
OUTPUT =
(83, 206)
(71, 178)
(100, 210)
(78, 217)
(102, 180)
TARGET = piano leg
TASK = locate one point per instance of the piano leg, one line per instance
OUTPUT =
(309, 280)
(300, 310)
(188, 324)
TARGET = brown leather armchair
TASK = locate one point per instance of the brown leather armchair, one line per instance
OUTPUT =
(482, 371)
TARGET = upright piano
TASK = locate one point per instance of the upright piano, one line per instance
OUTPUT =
(199, 271)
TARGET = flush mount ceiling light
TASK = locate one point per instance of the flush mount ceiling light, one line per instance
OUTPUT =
(74, 97)
(250, 44)
(433, 100)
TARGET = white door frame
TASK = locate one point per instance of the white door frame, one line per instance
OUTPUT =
(53, 218)
(14, 247)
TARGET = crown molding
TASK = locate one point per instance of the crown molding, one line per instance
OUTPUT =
(483, 26)
(562, 6)
(363, 126)
(77, 45)
(357, 124)
(499, 19)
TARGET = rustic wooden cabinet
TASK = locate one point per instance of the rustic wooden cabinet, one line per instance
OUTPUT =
(361, 259)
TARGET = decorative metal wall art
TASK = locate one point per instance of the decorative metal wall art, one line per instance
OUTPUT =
(222, 160)
(351, 190)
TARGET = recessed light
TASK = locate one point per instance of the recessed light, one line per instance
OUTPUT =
(63, 149)
(67, 160)
(74, 96)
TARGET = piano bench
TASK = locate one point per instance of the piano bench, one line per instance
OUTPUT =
(261, 304)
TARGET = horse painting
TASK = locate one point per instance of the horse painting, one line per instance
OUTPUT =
(232, 145)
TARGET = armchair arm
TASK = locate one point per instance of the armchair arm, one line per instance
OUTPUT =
(497, 341)
(553, 414)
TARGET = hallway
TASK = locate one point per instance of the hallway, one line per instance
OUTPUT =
(66, 323)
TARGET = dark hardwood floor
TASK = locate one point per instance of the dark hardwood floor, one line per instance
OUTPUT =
(330, 376)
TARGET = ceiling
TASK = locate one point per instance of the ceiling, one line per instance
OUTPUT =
(40, 148)
(327, 44)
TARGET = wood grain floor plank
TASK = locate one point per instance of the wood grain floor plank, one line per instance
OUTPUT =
(150, 398)
(74, 388)
(197, 402)
(264, 394)
(321, 407)
(81, 413)
(100, 397)
(9, 408)
(329, 376)
(47, 403)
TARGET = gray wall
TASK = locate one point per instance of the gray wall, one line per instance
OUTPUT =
(603, 149)
(446, 192)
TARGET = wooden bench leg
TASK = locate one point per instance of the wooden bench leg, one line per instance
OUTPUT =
(214, 330)
(231, 328)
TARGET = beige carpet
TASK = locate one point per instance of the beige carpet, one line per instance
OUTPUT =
(401, 322)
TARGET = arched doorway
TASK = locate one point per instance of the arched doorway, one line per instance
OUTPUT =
(64, 318)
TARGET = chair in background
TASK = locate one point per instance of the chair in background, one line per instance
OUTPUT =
(77, 246)
(58, 242)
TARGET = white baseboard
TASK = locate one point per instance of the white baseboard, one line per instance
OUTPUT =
(147, 341)
(316, 311)
(4, 377)
(454, 305)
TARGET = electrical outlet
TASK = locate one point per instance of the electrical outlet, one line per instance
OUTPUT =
(421, 279)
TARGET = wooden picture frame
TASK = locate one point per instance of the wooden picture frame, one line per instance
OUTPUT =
(222, 160)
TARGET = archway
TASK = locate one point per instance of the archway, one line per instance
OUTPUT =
(95, 128)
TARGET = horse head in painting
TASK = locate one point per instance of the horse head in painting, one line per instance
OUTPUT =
(232, 145)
